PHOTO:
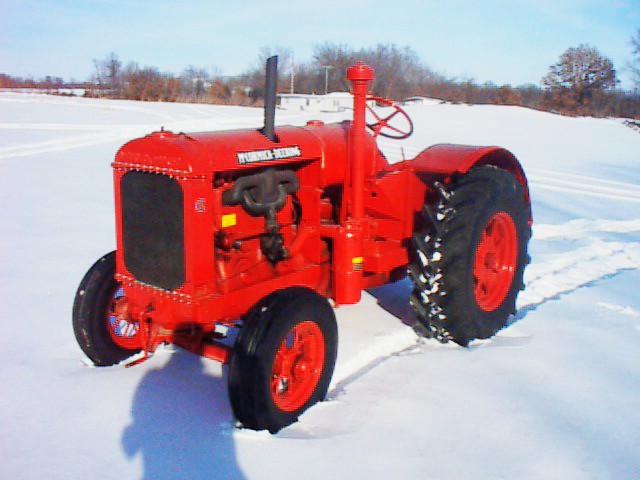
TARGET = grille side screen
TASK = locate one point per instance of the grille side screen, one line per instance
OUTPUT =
(153, 229)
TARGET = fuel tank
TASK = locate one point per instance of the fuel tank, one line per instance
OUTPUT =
(204, 154)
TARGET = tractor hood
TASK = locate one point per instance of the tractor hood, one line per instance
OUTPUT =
(202, 154)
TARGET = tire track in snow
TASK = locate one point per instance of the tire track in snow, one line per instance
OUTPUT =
(580, 227)
(64, 144)
(381, 349)
(117, 133)
(103, 105)
(583, 179)
(563, 273)
(585, 190)
(625, 311)
(201, 118)
(73, 127)
(546, 279)
(583, 185)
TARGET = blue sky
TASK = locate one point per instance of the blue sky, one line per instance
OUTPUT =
(490, 40)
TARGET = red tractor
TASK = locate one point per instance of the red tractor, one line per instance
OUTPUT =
(257, 231)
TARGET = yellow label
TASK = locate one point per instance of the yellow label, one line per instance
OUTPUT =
(357, 264)
(229, 220)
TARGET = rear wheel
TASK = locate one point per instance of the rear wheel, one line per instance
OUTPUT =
(470, 254)
(283, 359)
(100, 320)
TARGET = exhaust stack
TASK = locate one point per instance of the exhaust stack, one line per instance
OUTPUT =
(271, 85)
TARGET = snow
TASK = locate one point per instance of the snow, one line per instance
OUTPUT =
(555, 395)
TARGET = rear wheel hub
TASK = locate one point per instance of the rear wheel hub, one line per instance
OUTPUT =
(495, 261)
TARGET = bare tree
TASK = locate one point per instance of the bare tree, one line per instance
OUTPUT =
(194, 83)
(109, 73)
(398, 70)
(330, 62)
(285, 64)
(634, 64)
(254, 77)
(580, 72)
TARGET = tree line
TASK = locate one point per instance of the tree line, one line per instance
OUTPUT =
(581, 82)
(48, 82)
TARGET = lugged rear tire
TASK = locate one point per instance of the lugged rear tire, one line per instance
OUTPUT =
(101, 337)
(283, 359)
(470, 251)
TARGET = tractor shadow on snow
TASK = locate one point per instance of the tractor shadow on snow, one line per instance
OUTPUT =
(394, 298)
(177, 414)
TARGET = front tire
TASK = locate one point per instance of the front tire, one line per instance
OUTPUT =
(102, 332)
(283, 359)
(470, 251)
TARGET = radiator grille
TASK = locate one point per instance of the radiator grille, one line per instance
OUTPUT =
(153, 229)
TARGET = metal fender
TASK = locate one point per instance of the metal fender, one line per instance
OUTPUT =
(446, 159)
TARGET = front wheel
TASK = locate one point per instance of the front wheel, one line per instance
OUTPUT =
(470, 251)
(100, 321)
(283, 359)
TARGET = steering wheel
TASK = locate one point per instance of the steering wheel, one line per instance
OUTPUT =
(382, 123)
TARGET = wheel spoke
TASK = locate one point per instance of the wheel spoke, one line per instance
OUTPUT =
(375, 115)
(382, 122)
(389, 117)
(395, 129)
(123, 330)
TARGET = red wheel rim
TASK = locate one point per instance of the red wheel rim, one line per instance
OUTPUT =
(495, 262)
(124, 332)
(297, 366)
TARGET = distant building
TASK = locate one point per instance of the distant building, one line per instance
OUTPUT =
(421, 101)
(332, 102)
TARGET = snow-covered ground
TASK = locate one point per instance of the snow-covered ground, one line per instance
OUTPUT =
(556, 395)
